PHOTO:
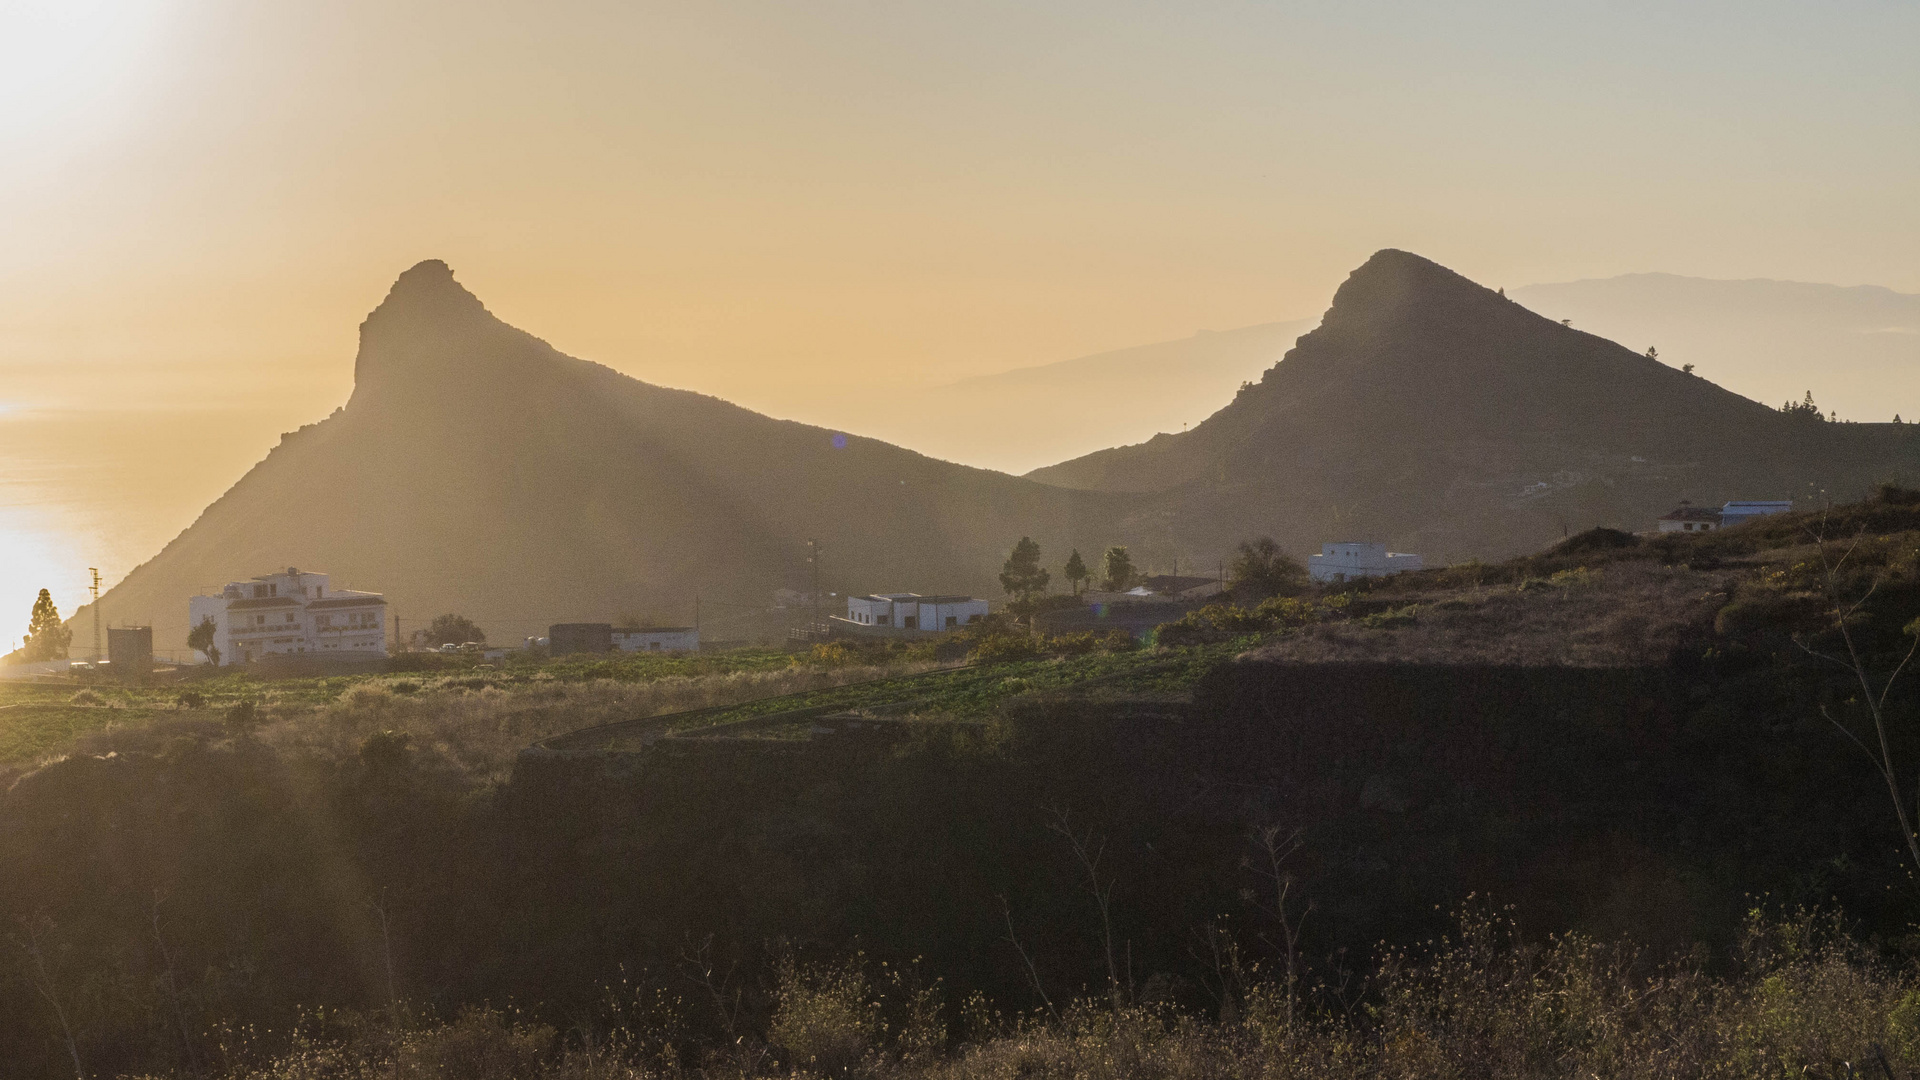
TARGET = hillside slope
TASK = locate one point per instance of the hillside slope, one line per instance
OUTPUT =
(476, 469)
(1443, 418)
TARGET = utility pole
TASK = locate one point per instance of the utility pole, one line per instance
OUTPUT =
(813, 558)
(95, 588)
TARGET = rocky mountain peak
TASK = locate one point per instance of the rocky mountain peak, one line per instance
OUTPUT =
(428, 333)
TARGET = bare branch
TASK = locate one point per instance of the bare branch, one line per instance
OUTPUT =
(1089, 852)
(1033, 973)
(43, 982)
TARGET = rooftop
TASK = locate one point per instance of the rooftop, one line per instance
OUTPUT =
(352, 600)
(1692, 513)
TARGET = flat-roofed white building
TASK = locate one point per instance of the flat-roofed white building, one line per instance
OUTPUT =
(657, 639)
(1735, 513)
(1348, 560)
(289, 613)
(908, 614)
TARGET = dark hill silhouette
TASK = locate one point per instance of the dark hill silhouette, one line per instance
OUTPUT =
(1434, 414)
(478, 470)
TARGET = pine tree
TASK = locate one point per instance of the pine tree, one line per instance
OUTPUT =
(46, 638)
(1023, 577)
(1076, 571)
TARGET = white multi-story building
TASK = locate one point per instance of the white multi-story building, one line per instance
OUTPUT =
(1347, 561)
(909, 614)
(292, 612)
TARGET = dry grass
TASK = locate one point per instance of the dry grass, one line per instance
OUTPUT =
(1622, 614)
(477, 727)
(1799, 1000)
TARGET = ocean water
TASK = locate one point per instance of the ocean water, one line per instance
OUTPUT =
(82, 489)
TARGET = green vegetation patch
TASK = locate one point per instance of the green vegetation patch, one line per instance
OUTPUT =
(977, 691)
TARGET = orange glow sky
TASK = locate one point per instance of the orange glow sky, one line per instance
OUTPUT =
(786, 204)
(202, 195)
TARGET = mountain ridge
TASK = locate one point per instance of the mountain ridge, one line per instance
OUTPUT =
(477, 469)
(1436, 414)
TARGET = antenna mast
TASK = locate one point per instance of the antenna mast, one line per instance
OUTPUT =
(95, 589)
(813, 557)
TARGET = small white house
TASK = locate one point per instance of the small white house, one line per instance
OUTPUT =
(657, 639)
(1689, 518)
(1347, 561)
(908, 614)
(292, 613)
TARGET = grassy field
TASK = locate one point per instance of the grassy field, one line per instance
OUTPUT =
(475, 718)
(43, 718)
(974, 692)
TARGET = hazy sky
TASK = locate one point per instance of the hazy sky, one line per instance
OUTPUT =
(736, 194)
(781, 202)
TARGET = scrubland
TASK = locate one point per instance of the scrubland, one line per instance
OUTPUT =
(1796, 997)
(764, 910)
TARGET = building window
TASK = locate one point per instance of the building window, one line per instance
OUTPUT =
(911, 622)
(953, 620)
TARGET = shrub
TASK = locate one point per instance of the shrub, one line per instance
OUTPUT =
(1391, 619)
(371, 696)
(192, 699)
(1596, 539)
(1073, 644)
(1118, 641)
(242, 717)
(1005, 648)
(1224, 622)
(482, 1044)
(1756, 611)
(1567, 579)
(88, 698)
(830, 654)
(825, 1018)
(386, 750)
(1288, 611)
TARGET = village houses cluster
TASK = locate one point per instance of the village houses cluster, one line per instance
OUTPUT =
(298, 613)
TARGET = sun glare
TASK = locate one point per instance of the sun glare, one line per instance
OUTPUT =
(27, 565)
(58, 57)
